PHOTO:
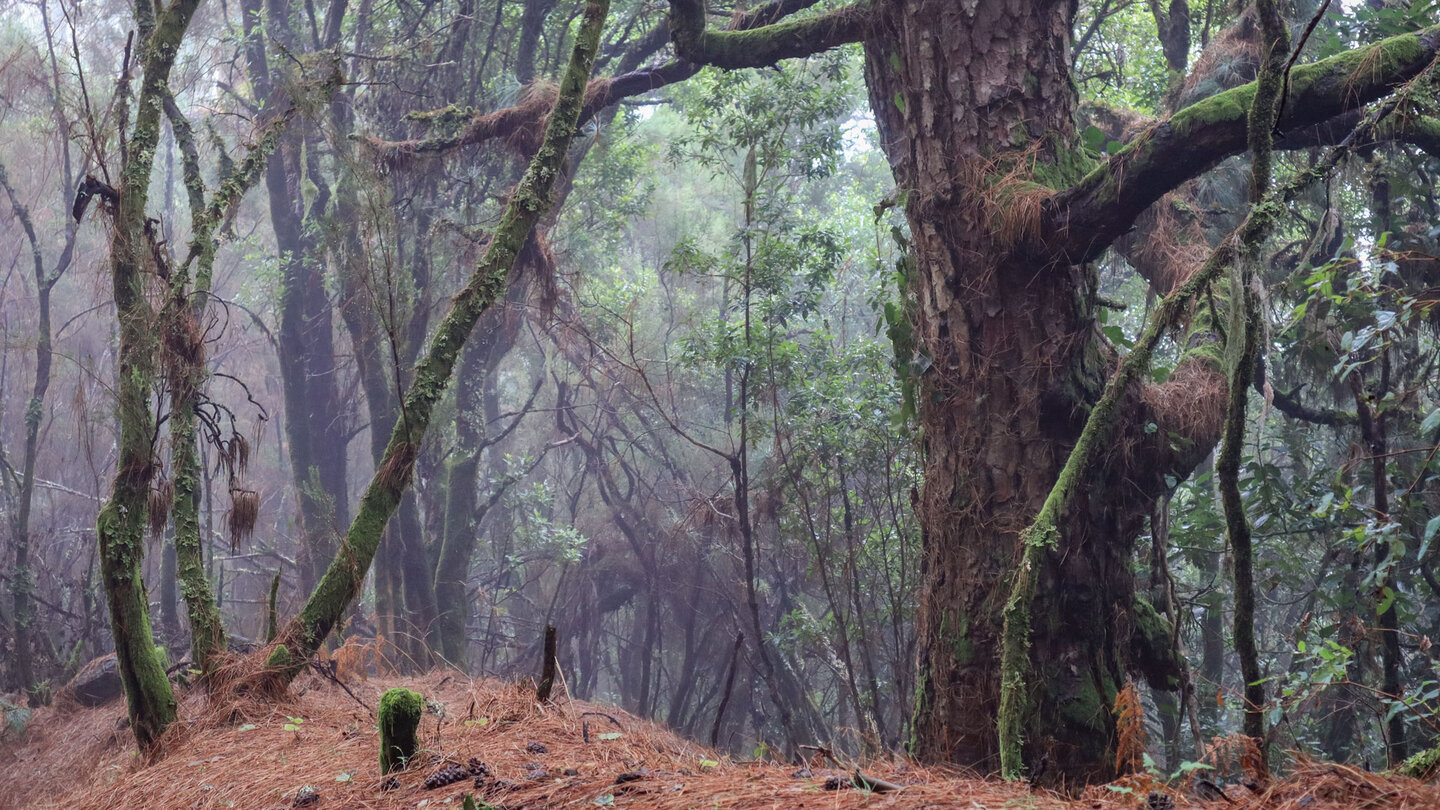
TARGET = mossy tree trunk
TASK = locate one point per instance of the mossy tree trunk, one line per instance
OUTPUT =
(22, 579)
(464, 510)
(1244, 324)
(121, 525)
(315, 435)
(529, 202)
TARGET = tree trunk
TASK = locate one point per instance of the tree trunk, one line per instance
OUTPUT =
(1014, 363)
(121, 524)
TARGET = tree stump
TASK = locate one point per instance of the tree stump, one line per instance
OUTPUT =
(400, 711)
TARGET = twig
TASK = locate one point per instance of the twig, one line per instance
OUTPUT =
(604, 715)
(330, 675)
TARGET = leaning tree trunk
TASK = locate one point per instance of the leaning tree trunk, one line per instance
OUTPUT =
(1014, 365)
(531, 199)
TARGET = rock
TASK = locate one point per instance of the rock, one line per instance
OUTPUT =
(97, 683)
(570, 772)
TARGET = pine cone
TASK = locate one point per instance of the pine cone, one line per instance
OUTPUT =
(390, 783)
(536, 748)
(478, 768)
(839, 783)
(449, 774)
(1159, 800)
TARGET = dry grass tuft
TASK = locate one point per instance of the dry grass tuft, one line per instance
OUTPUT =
(157, 507)
(1011, 202)
(399, 466)
(1192, 401)
(257, 754)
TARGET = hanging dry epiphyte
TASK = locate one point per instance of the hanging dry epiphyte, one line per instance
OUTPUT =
(1130, 731)
(237, 454)
(157, 507)
(244, 511)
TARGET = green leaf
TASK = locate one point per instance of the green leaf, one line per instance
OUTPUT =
(611, 735)
(247, 727)
(1093, 138)
(707, 764)
(1431, 527)
(1432, 421)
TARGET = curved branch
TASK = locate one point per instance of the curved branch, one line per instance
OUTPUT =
(1088, 216)
(528, 116)
(767, 44)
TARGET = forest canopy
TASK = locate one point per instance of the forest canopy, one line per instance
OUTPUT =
(960, 379)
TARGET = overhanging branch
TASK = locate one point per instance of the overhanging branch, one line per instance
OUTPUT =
(1087, 217)
(764, 45)
(600, 93)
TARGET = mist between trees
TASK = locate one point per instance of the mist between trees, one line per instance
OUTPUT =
(893, 376)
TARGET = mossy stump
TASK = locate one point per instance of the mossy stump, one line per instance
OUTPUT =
(400, 711)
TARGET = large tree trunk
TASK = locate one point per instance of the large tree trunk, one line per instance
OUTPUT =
(965, 94)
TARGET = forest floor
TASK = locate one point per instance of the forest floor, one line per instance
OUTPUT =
(321, 739)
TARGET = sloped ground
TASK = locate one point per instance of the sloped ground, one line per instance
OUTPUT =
(259, 756)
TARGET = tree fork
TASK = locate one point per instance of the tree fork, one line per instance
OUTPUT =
(1043, 533)
(181, 317)
(531, 200)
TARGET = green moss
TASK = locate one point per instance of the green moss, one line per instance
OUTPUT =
(399, 717)
(1424, 765)
(958, 637)
(279, 657)
(1089, 706)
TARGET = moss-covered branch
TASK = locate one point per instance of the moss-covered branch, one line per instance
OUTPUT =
(530, 201)
(767, 44)
(1087, 217)
(185, 360)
